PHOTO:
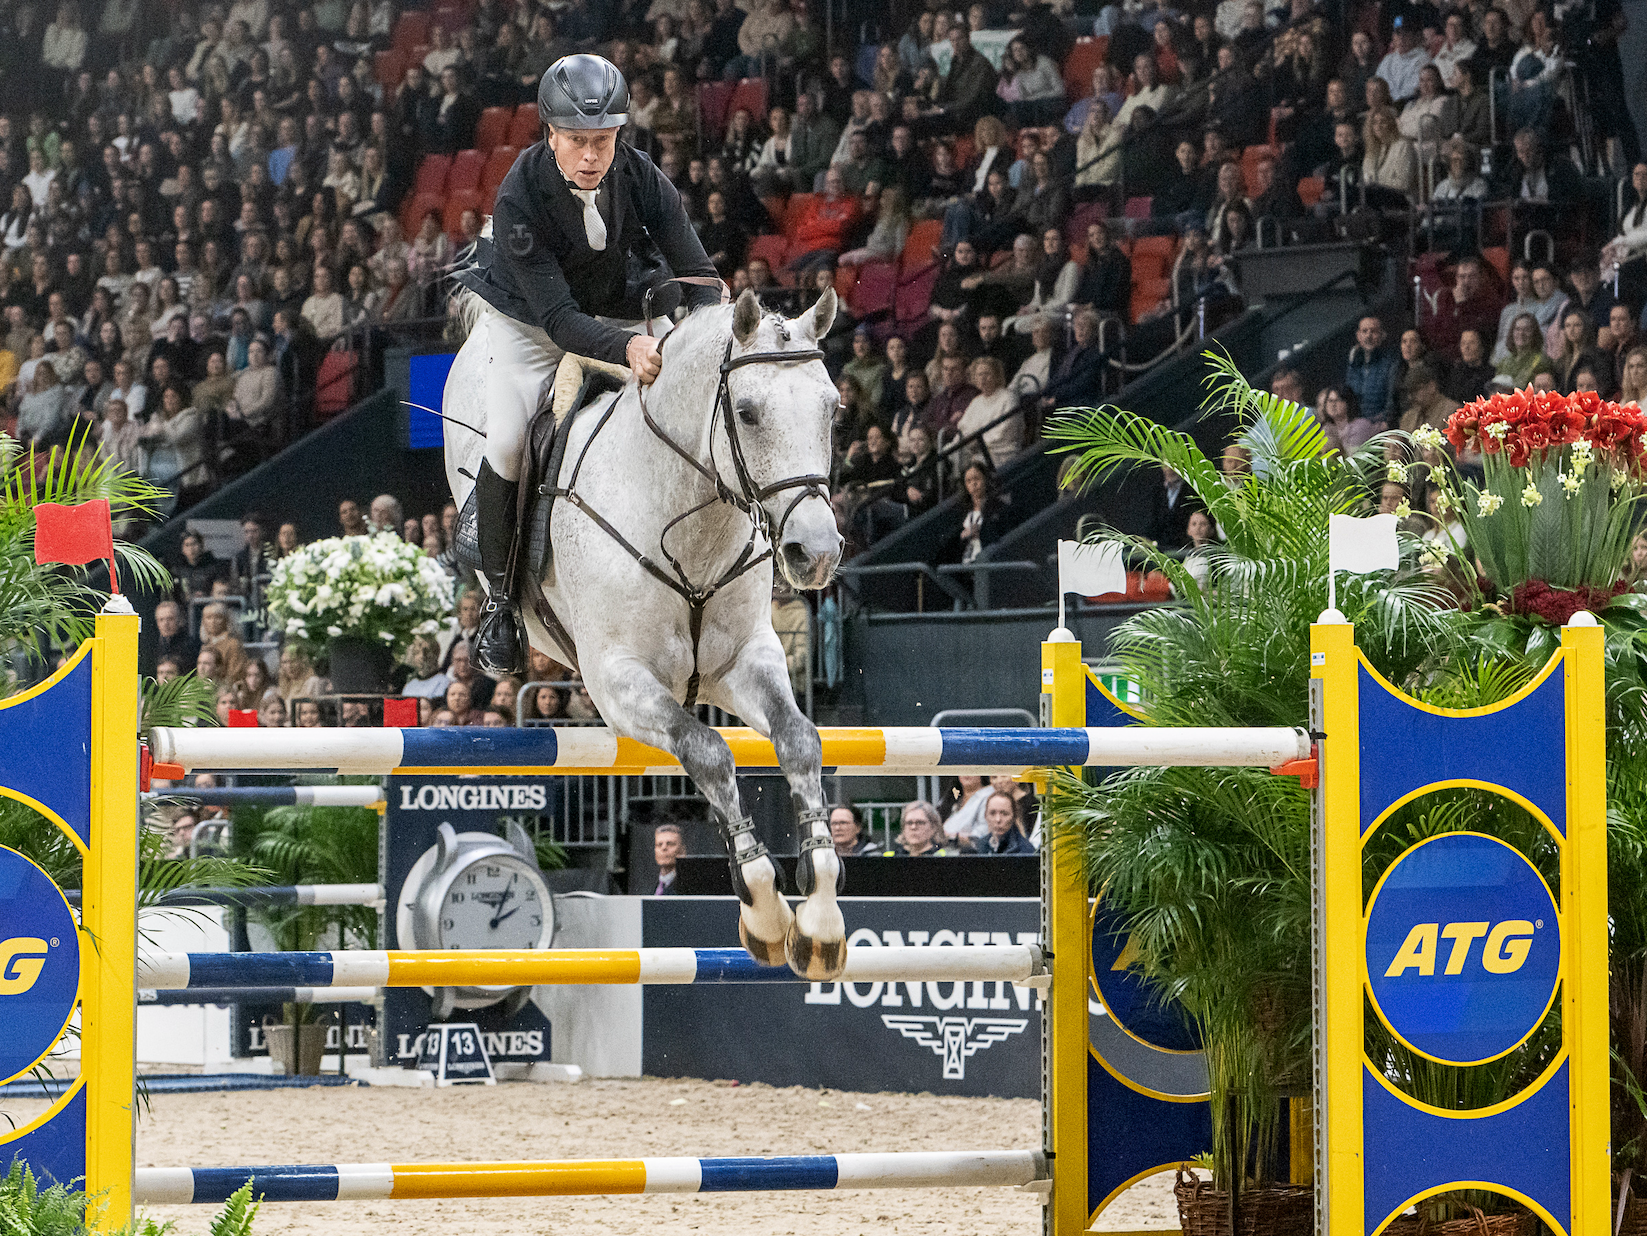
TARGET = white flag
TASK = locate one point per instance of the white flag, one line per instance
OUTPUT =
(1090, 570)
(1362, 545)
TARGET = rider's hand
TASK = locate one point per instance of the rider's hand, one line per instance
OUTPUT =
(643, 358)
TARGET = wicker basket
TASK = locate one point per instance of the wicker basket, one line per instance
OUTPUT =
(1518, 1222)
(1635, 1216)
(1276, 1210)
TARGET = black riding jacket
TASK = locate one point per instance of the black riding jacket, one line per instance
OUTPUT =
(538, 267)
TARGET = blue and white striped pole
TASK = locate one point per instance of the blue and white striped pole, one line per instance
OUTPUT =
(161, 1186)
(571, 750)
(971, 963)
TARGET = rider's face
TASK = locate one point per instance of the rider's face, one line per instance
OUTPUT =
(584, 154)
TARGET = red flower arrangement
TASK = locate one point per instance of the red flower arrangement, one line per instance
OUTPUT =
(1557, 605)
(1536, 421)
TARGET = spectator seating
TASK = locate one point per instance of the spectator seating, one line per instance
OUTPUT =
(493, 127)
(525, 128)
(497, 167)
(1087, 54)
(465, 171)
(411, 29)
(431, 174)
(714, 106)
(773, 248)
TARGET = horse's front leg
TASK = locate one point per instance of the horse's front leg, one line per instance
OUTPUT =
(641, 707)
(759, 685)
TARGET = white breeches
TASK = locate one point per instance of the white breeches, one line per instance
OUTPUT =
(520, 367)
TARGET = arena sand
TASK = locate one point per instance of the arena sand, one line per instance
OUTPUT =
(608, 1119)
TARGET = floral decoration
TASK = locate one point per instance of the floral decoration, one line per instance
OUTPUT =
(378, 588)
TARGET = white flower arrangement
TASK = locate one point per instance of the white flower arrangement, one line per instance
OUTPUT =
(1487, 503)
(379, 588)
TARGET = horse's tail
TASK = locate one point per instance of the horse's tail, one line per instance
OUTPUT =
(466, 309)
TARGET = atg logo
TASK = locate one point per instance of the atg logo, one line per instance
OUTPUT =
(39, 964)
(1468, 987)
(22, 958)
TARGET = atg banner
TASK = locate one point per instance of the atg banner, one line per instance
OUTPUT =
(948, 1038)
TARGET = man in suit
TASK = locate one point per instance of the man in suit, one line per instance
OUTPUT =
(667, 843)
(1170, 510)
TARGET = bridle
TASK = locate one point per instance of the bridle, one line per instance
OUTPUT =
(748, 496)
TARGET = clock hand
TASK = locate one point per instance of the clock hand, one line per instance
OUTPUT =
(500, 916)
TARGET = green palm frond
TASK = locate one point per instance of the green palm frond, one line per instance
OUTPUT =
(186, 700)
(235, 1219)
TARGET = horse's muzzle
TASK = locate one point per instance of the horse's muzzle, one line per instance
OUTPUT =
(809, 568)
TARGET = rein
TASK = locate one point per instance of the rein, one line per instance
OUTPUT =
(747, 497)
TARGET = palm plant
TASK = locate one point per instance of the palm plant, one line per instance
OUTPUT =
(1211, 865)
(43, 607)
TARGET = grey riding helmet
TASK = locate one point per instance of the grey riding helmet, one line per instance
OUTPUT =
(583, 92)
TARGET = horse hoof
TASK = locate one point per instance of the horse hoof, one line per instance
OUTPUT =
(767, 953)
(819, 961)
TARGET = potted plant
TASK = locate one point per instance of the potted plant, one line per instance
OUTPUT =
(358, 600)
(311, 845)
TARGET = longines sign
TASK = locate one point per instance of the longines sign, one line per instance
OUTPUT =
(949, 1038)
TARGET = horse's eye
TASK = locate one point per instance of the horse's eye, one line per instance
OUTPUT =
(748, 414)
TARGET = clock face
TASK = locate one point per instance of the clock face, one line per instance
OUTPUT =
(494, 902)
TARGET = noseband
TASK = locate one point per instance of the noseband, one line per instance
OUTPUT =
(748, 496)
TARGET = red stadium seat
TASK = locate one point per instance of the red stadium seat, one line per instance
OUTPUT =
(1146, 294)
(458, 201)
(497, 167)
(773, 248)
(467, 166)
(389, 67)
(415, 207)
(1084, 57)
(913, 298)
(1310, 189)
(451, 17)
(872, 293)
(335, 383)
(1138, 207)
(1498, 257)
(493, 127)
(965, 150)
(411, 29)
(798, 204)
(431, 173)
(923, 238)
(750, 93)
(1251, 157)
(713, 101)
(1082, 217)
(524, 129)
(846, 280)
(1152, 256)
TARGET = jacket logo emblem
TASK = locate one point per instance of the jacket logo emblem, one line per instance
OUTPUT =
(520, 240)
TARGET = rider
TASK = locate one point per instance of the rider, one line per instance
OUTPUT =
(583, 225)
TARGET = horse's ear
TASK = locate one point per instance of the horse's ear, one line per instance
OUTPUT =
(823, 315)
(746, 316)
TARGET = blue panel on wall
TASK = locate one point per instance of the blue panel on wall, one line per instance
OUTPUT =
(59, 721)
(1409, 1151)
(424, 390)
(1517, 747)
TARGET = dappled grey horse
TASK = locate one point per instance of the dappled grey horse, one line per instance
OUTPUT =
(672, 504)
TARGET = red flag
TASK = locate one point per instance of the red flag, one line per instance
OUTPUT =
(401, 713)
(243, 718)
(75, 534)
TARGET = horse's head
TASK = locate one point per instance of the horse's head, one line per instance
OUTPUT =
(779, 419)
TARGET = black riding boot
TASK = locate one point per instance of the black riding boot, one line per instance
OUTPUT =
(499, 644)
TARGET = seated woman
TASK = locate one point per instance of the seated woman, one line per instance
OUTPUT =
(918, 833)
(846, 830)
(1002, 439)
(1004, 836)
(1526, 359)
(987, 518)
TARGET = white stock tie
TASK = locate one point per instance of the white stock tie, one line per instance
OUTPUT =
(593, 226)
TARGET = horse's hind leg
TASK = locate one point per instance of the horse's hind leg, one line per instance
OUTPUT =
(816, 948)
(653, 716)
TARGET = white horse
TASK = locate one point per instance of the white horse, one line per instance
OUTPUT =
(655, 609)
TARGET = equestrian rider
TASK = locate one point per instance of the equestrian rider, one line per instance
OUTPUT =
(582, 226)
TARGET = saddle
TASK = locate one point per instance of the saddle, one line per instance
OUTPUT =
(578, 381)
